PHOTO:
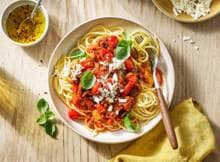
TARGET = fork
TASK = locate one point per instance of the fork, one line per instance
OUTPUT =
(163, 106)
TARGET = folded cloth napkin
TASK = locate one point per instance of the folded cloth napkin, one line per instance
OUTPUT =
(194, 135)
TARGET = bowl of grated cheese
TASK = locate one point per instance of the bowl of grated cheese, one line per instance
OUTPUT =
(189, 11)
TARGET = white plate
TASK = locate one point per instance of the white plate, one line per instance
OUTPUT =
(68, 42)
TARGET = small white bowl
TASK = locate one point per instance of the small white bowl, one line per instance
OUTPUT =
(63, 47)
(14, 5)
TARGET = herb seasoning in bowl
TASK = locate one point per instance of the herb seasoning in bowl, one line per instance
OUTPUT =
(13, 17)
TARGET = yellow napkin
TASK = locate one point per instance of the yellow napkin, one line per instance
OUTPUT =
(194, 135)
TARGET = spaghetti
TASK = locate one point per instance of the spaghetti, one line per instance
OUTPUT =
(106, 79)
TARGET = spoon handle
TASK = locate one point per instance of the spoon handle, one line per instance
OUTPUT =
(166, 120)
(35, 8)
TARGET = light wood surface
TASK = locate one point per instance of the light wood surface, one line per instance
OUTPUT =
(197, 76)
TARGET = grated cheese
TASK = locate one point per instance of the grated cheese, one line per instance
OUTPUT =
(116, 64)
(110, 108)
(194, 8)
(115, 77)
(117, 112)
(75, 71)
(122, 100)
(97, 99)
(110, 92)
(103, 63)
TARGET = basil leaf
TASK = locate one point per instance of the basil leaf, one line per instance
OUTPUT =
(50, 128)
(42, 105)
(123, 50)
(87, 80)
(77, 54)
(127, 38)
(129, 125)
(49, 115)
(42, 120)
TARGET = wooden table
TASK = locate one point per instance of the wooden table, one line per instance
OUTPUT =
(197, 76)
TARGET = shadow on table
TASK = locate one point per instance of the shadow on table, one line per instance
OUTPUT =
(42, 51)
(186, 88)
(108, 150)
(11, 94)
(215, 156)
(18, 114)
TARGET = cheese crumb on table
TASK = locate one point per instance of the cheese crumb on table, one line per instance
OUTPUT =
(186, 38)
(196, 47)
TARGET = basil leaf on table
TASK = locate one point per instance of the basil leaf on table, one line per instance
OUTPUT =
(46, 118)
(129, 125)
(42, 120)
(42, 105)
(123, 50)
(87, 80)
(50, 128)
(77, 54)
(49, 115)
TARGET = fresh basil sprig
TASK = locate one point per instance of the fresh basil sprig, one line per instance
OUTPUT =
(129, 125)
(77, 54)
(46, 118)
(87, 80)
(42, 105)
(123, 48)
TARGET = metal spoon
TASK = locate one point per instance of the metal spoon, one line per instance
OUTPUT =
(28, 24)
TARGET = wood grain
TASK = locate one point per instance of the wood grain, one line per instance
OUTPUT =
(197, 76)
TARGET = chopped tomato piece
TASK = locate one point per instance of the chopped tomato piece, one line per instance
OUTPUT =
(127, 88)
(73, 114)
(129, 65)
(112, 41)
(109, 80)
(127, 106)
(148, 77)
(110, 121)
(105, 55)
(95, 88)
(75, 99)
(103, 51)
(132, 78)
(108, 56)
(74, 87)
(159, 76)
(121, 80)
(88, 63)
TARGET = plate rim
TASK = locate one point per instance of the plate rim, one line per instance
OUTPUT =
(157, 118)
